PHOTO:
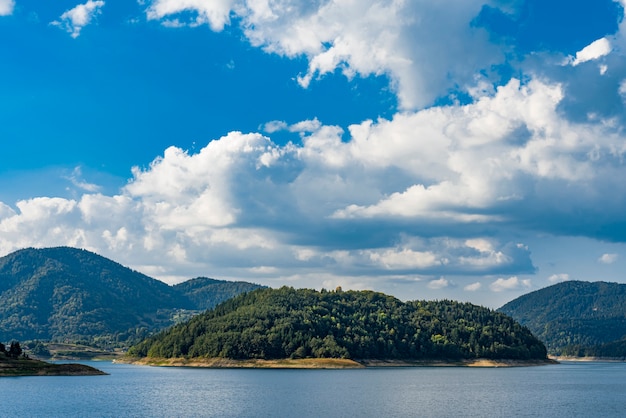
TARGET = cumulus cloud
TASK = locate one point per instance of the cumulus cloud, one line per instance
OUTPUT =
(438, 284)
(74, 20)
(608, 258)
(420, 45)
(557, 278)
(215, 13)
(441, 190)
(473, 287)
(6, 7)
(421, 193)
(593, 51)
(512, 283)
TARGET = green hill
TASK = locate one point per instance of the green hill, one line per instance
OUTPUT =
(288, 323)
(575, 318)
(67, 294)
(205, 293)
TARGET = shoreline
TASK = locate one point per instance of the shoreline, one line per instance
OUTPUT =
(326, 363)
(589, 359)
(32, 367)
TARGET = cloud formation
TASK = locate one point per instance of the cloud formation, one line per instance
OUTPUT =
(74, 20)
(6, 7)
(593, 51)
(512, 283)
(437, 284)
(495, 142)
(557, 278)
(402, 40)
(608, 258)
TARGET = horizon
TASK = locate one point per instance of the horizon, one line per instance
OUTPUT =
(467, 150)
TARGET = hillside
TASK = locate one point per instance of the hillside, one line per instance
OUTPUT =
(288, 323)
(575, 318)
(205, 293)
(67, 294)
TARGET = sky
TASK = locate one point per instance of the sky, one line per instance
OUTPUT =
(459, 149)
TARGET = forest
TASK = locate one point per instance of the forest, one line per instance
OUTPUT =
(289, 323)
(575, 318)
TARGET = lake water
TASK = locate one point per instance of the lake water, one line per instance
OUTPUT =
(564, 390)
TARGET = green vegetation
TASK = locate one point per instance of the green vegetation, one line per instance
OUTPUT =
(205, 293)
(289, 323)
(15, 362)
(575, 318)
(70, 295)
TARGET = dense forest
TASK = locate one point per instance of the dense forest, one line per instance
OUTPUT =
(289, 323)
(205, 293)
(575, 318)
(67, 294)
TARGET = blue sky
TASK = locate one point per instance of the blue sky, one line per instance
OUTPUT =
(461, 149)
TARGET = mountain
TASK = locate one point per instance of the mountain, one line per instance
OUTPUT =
(575, 317)
(70, 294)
(205, 293)
(289, 323)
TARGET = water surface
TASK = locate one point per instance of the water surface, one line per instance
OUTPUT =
(564, 390)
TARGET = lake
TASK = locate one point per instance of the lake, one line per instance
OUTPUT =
(564, 390)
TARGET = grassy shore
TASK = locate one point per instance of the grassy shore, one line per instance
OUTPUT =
(325, 363)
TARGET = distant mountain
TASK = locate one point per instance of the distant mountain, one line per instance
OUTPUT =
(70, 294)
(575, 318)
(289, 323)
(205, 293)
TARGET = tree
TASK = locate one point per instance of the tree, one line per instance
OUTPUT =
(15, 350)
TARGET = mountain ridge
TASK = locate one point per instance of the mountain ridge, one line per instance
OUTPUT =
(575, 317)
(65, 293)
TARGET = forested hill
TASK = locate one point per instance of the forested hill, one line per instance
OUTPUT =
(205, 293)
(70, 294)
(289, 323)
(576, 318)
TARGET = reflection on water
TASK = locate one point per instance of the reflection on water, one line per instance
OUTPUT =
(566, 390)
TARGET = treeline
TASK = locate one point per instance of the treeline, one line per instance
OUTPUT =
(614, 349)
(289, 323)
(14, 350)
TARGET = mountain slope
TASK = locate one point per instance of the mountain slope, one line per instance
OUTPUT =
(70, 294)
(289, 323)
(206, 293)
(573, 316)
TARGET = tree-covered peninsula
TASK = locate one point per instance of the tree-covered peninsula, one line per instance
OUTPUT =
(14, 362)
(287, 323)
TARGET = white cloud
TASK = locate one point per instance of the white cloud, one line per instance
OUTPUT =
(405, 196)
(608, 258)
(6, 7)
(405, 259)
(215, 13)
(74, 20)
(512, 283)
(593, 51)
(473, 287)
(76, 178)
(557, 278)
(424, 47)
(438, 284)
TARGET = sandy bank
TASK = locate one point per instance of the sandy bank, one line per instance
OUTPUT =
(326, 363)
